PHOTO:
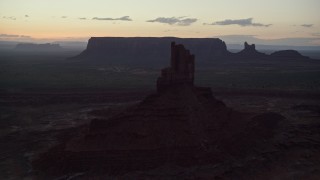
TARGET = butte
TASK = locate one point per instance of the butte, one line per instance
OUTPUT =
(180, 124)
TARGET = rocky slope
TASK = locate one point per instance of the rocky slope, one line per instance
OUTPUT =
(181, 124)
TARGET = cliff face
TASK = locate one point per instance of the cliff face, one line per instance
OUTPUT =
(154, 51)
(181, 70)
(148, 51)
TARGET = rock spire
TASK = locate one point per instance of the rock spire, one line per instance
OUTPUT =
(181, 70)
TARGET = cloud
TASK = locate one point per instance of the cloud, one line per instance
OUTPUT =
(14, 36)
(124, 18)
(9, 35)
(83, 18)
(240, 22)
(315, 34)
(180, 21)
(24, 36)
(307, 25)
(9, 18)
(64, 17)
(26, 16)
(170, 30)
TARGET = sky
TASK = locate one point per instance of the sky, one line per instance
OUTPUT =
(28, 20)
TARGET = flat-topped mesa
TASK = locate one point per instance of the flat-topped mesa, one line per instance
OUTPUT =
(181, 70)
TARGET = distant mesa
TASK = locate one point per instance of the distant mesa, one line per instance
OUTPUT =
(292, 54)
(149, 51)
(154, 51)
(38, 47)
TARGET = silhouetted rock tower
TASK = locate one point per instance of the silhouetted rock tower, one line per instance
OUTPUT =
(248, 47)
(181, 70)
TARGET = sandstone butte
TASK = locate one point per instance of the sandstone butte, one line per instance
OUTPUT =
(180, 124)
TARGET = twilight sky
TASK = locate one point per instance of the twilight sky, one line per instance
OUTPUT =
(27, 20)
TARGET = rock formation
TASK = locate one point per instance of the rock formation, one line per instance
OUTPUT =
(154, 52)
(181, 124)
(288, 54)
(176, 125)
(148, 51)
(250, 51)
(181, 70)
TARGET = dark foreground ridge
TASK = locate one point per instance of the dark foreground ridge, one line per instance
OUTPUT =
(181, 125)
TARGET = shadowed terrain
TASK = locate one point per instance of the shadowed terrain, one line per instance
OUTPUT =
(49, 101)
(182, 127)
